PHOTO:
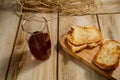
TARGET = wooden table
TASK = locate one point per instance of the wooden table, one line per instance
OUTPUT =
(16, 62)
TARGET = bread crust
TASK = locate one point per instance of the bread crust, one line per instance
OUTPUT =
(92, 45)
(74, 48)
(85, 38)
(106, 66)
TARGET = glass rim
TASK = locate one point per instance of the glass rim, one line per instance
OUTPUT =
(45, 20)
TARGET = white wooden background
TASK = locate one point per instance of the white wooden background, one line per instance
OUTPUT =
(15, 58)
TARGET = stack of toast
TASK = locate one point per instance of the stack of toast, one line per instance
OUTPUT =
(79, 38)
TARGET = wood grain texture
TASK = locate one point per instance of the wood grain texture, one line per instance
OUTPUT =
(110, 28)
(8, 5)
(1, 1)
(8, 27)
(107, 6)
(110, 6)
(85, 56)
(69, 67)
(24, 67)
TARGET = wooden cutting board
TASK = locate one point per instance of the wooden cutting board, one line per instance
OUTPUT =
(86, 56)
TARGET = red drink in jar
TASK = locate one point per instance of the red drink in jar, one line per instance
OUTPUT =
(40, 45)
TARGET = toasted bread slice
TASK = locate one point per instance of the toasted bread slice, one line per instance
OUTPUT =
(74, 48)
(108, 56)
(94, 44)
(84, 35)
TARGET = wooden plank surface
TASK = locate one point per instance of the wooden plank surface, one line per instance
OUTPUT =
(110, 26)
(85, 56)
(69, 67)
(107, 6)
(7, 3)
(110, 6)
(8, 27)
(24, 67)
(1, 1)
(111, 29)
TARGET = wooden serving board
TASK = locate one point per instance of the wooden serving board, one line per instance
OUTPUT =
(86, 56)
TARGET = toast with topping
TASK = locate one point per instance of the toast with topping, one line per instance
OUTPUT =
(84, 35)
(108, 56)
(80, 37)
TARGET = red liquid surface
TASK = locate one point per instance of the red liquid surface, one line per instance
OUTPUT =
(40, 45)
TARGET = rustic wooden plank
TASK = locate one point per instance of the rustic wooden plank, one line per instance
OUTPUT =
(110, 26)
(5, 4)
(1, 1)
(111, 29)
(110, 6)
(69, 67)
(8, 5)
(8, 27)
(24, 67)
(107, 6)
